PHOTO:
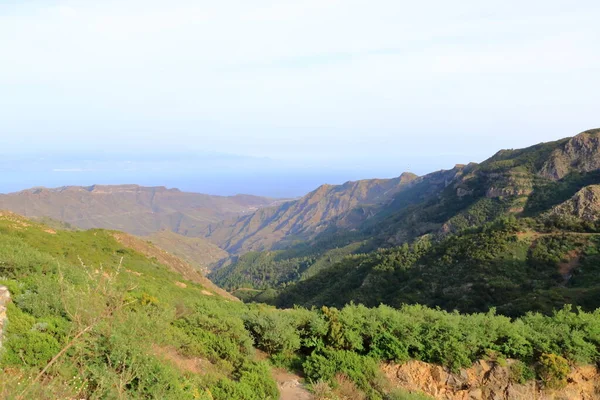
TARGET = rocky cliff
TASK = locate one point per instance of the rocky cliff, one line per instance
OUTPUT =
(488, 381)
(580, 153)
(584, 205)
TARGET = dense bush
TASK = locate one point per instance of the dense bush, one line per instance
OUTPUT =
(325, 364)
(521, 372)
(554, 370)
(353, 339)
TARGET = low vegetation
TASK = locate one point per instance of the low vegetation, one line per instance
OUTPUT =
(93, 319)
(510, 264)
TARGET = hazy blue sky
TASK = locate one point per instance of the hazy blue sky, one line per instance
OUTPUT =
(317, 90)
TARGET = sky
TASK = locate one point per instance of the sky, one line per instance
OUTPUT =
(277, 97)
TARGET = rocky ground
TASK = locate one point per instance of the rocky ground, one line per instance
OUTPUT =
(487, 380)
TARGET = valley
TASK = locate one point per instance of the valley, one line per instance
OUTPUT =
(486, 274)
(299, 200)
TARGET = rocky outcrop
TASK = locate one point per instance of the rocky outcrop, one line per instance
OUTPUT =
(581, 153)
(509, 191)
(4, 300)
(508, 183)
(584, 205)
(487, 380)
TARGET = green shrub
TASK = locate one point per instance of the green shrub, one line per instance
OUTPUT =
(554, 370)
(254, 382)
(273, 332)
(401, 394)
(33, 348)
(326, 364)
(521, 372)
(386, 346)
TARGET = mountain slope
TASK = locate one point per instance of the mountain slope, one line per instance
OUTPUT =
(176, 264)
(505, 265)
(520, 184)
(306, 217)
(93, 317)
(131, 208)
(443, 201)
(198, 252)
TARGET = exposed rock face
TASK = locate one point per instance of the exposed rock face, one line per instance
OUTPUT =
(4, 300)
(488, 381)
(581, 153)
(585, 205)
(508, 183)
(494, 192)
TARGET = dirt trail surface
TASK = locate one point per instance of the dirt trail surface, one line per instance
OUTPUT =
(290, 386)
(566, 268)
(4, 300)
(175, 263)
(195, 365)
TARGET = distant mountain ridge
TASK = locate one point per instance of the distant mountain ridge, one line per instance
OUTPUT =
(304, 218)
(131, 208)
(139, 210)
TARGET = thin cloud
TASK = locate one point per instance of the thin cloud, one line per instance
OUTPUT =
(71, 170)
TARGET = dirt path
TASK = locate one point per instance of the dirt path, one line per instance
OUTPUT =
(535, 235)
(290, 386)
(566, 268)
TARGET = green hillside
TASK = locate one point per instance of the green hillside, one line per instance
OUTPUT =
(546, 191)
(503, 265)
(93, 318)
